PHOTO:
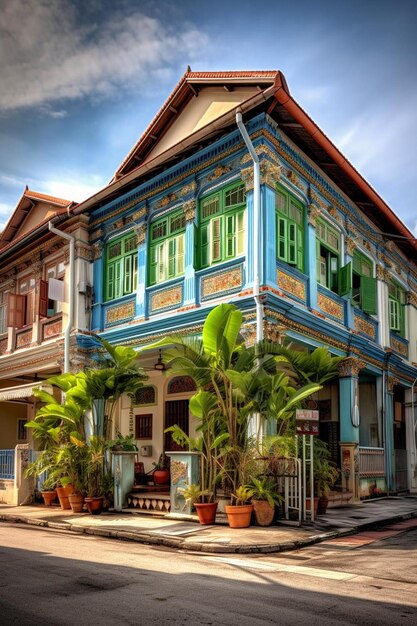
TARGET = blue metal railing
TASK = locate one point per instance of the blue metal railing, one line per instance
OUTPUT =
(7, 464)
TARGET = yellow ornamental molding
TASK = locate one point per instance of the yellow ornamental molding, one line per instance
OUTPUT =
(295, 179)
(166, 299)
(97, 250)
(140, 232)
(140, 214)
(412, 299)
(187, 189)
(350, 245)
(392, 381)
(399, 346)
(120, 312)
(219, 171)
(221, 282)
(247, 177)
(189, 210)
(270, 173)
(364, 326)
(170, 197)
(312, 214)
(350, 366)
(274, 332)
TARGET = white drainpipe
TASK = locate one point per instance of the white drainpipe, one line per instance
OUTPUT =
(256, 225)
(70, 322)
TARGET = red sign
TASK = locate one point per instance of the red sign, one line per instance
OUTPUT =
(307, 427)
(307, 414)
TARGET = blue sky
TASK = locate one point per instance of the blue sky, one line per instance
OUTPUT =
(80, 80)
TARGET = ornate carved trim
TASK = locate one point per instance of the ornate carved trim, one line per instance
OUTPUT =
(350, 366)
(392, 381)
(274, 332)
(140, 232)
(189, 210)
(270, 173)
(170, 197)
(247, 177)
(412, 299)
(219, 171)
(139, 214)
(97, 250)
(350, 245)
(188, 189)
(312, 214)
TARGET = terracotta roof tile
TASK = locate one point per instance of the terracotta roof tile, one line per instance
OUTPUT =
(36, 195)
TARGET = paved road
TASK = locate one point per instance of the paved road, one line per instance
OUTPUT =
(54, 578)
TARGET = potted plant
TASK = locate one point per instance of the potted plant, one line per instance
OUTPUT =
(206, 511)
(239, 512)
(265, 497)
(124, 443)
(325, 476)
(95, 471)
(48, 490)
(161, 471)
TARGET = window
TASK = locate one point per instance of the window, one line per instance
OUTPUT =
(356, 279)
(55, 271)
(290, 229)
(222, 225)
(396, 302)
(21, 430)
(3, 312)
(143, 426)
(167, 248)
(121, 267)
(327, 254)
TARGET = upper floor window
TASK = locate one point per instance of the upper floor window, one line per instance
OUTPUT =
(396, 303)
(3, 311)
(167, 248)
(55, 272)
(222, 225)
(357, 279)
(290, 228)
(327, 255)
(121, 266)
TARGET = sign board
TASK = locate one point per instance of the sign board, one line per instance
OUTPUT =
(306, 422)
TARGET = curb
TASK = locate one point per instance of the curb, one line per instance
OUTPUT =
(179, 543)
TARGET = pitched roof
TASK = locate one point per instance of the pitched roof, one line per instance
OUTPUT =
(188, 87)
(27, 201)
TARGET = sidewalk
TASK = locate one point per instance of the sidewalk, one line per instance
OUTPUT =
(190, 536)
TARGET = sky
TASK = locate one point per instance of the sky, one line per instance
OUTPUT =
(81, 79)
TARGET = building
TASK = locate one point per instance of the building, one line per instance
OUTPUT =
(175, 231)
(34, 317)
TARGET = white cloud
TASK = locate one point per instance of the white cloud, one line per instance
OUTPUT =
(48, 56)
(71, 186)
(5, 213)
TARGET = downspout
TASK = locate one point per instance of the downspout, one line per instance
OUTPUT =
(256, 224)
(70, 322)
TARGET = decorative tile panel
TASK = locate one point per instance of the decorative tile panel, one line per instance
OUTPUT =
(399, 346)
(291, 285)
(363, 326)
(221, 282)
(166, 299)
(329, 306)
(24, 339)
(52, 329)
(120, 313)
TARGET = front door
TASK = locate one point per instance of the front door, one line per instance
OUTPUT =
(176, 412)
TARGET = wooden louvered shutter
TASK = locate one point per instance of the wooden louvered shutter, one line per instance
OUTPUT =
(230, 236)
(368, 294)
(281, 238)
(216, 243)
(292, 244)
(43, 298)
(204, 245)
(345, 279)
(16, 309)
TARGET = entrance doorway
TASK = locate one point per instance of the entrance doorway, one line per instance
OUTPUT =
(176, 412)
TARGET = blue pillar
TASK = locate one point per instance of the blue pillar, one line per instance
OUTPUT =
(98, 282)
(389, 437)
(350, 320)
(249, 241)
(141, 286)
(189, 275)
(311, 269)
(348, 431)
(269, 252)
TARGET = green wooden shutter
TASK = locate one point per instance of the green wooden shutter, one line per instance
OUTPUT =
(281, 238)
(118, 279)
(240, 240)
(368, 294)
(300, 248)
(161, 263)
(127, 287)
(171, 257)
(230, 236)
(394, 314)
(216, 243)
(204, 245)
(135, 272)
(292, 244)
(180, 255)
(152, 265)
(110, 282)
(345, 279)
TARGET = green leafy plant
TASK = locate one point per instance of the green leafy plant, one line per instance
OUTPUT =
(193, 493)
(264, 488)
(242, 495)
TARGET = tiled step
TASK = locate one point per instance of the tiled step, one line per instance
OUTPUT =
(149, 502)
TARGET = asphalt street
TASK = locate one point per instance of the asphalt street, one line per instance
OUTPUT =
(52, 578)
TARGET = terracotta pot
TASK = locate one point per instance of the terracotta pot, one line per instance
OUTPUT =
(264, 512)
(239, 516)
(206, 512)
(63, 493)
(316, 504)
(49, 497)
(76, 501)
(322, 505)
(94, 505)
(161, 477)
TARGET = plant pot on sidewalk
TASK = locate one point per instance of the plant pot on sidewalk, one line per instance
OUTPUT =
(239, 516)
(76, 501)
(94, 505)
(63, 493)
(264, 512)
(49, 497)
(206, 512)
